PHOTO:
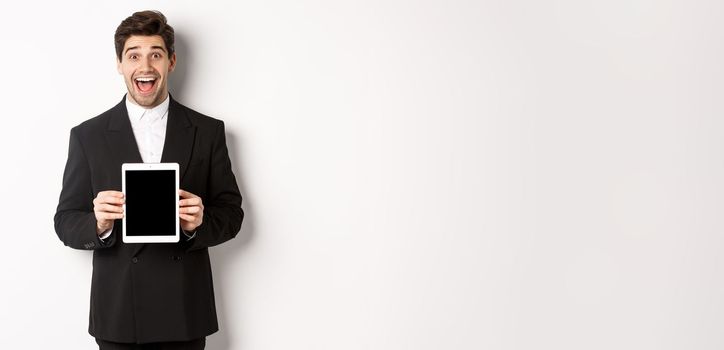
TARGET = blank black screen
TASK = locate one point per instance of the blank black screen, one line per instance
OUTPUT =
(150, 203)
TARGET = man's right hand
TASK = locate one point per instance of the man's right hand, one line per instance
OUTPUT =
(107, 206)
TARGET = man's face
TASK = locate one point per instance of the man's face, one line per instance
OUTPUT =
(145, 66)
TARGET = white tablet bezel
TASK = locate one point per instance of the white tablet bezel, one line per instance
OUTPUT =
(151, 166)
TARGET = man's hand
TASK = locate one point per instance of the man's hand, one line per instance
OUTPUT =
(191, 211)
(107, 206)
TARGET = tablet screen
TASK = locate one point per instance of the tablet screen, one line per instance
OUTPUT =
(150, 203)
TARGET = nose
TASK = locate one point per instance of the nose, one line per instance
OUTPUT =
(145, 64)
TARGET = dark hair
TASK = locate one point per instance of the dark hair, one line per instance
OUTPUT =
(144, 23)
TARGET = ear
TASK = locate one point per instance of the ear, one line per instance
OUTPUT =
(118, 66)
(172, 65)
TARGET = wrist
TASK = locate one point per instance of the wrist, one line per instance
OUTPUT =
(101, 228)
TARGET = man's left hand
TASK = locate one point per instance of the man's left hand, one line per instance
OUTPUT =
(191, 211)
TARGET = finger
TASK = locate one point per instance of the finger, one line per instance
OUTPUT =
(108, 199)
(108, 208)
(108, 216)
(190, 202)
(189, 210)
(187, 217)
(117, 194)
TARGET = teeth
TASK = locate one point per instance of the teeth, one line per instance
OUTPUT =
(145, 79)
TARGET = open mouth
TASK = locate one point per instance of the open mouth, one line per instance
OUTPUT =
(145, 84)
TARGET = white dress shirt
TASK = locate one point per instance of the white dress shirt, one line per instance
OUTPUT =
(149, 129)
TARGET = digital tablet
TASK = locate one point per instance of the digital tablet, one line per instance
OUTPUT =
(151, 206)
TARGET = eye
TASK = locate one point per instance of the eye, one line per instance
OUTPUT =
(156, 55)
(133, 57)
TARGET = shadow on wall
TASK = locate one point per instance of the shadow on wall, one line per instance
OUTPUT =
(224, 257)
(225, 260)
(179, 77)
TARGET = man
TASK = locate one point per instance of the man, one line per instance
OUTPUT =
(157, 295)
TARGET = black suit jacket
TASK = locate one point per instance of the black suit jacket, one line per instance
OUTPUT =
(144, 293)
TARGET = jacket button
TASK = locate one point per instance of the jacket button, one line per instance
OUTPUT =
(135, 259)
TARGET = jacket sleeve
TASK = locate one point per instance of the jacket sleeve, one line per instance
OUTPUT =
(75, 222)
(222, 206)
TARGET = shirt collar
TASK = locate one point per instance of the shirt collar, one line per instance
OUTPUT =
(136, 112)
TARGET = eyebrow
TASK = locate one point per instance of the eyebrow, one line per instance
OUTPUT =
(152, 47)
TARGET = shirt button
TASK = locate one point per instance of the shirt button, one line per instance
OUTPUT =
(135, 259)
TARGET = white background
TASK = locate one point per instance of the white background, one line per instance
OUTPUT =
(417, 174)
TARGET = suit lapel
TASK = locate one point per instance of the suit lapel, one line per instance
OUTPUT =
(180, 134)
(120, 136)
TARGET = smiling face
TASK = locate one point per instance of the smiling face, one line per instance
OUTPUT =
(145, 66)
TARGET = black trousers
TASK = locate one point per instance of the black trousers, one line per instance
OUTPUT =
(196, 344)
